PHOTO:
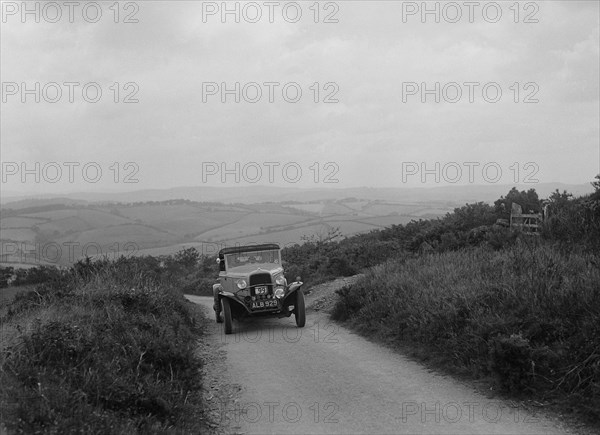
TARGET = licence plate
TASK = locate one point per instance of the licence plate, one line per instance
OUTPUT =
(265, 304)
(262, 290)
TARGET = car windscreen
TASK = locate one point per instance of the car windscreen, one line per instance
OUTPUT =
(253, 257)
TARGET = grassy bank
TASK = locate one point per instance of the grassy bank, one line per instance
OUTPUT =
(527, 316)
(105, 348)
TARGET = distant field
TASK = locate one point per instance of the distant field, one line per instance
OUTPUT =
(253, 224)
(54, 214)
(167, 213)
(386, 221)
(167, 227)
(101, 218)
(282, 237)
(183, 219)
(142, 235)
(199, 223)
(18, 234)
(386, 209)
(336, 208)
(422, 212)
(65, 225)
(311, 208)
(356, 205)
(19, 222)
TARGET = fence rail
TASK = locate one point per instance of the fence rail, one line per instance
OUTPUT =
(528, 223)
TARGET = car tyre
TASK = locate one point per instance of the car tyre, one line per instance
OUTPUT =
(228, 320)
(218, 317)
(299, 309)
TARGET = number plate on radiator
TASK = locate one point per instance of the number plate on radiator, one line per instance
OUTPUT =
(271, 303)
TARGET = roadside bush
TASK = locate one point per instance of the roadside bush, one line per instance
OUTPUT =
(575, 222)
(110, 349)
(527, 316)
(32, 275)
(339, 266)
(499, 237)
(510, 360)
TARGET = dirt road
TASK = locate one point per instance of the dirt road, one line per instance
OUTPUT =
(271, 377)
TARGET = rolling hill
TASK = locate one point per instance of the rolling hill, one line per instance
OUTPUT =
(65, 233)
(60, 230)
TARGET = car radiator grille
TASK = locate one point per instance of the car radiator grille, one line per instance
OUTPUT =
(261, 279)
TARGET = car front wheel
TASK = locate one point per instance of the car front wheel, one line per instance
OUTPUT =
(300, 310)
(228, 321)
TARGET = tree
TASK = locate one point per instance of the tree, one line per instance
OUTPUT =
(321, 238)
(596, 184)
(471, 216)
(6, 275)
(528, 200)
(560, 199)
(187, 257)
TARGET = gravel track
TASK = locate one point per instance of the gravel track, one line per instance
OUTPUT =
(272, 377)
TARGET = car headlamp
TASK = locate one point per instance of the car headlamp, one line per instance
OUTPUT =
(279, 292)
(241, 284)
(280, 280)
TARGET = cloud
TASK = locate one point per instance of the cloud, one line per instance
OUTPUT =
(365, 57)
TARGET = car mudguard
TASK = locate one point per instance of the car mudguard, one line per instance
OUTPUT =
(232, 297)
(292, 289)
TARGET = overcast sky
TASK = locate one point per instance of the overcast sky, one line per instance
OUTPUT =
(370, 62)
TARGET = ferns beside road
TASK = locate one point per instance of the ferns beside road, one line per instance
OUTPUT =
(106, 348)
(528, 315)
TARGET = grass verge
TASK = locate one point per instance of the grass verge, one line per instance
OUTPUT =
(528, 317)
(101, 350)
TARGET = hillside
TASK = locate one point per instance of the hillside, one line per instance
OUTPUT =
(58, 230)
(514, 313)
(46, 233)
(261, 193)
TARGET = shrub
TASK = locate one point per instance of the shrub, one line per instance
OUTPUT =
(510, 360)
(527, 315)
(110, 349)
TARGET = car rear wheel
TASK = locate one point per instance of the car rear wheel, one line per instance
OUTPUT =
(299, 309)
(228, 321)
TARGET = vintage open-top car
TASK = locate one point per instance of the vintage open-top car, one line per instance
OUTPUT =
(251, 283)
